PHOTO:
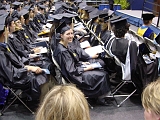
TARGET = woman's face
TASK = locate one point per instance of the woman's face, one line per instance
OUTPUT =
(22, 20)
(148, 115)
(67, 36)
(18, 24)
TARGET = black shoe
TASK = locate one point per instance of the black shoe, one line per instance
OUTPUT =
(103, 101)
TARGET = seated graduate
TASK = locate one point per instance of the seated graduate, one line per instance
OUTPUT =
(141, 71)
(14, 73)
(19, 51)
(93, 82)
(41, 15)
(23, 16)
(145, 30)
(31, 21)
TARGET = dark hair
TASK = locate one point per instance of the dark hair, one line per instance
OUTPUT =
(52, 30)
(26, 16)
(146, 22)
(120, 32)
(1, 32)
(64, 29)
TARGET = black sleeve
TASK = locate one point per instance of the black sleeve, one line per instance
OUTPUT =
(67, 63)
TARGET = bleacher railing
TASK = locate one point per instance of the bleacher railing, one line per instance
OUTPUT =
(157, 13)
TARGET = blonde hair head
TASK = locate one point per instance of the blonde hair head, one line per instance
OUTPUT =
(151, 97)
(64, 102)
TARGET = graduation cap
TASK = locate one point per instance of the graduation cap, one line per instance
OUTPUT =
(71, 12)
(57, 17)
(82, 5)
(62, 28)
(15, 15)
(22, 12)
(17, 3)
(158, 39)
(94, 13)
(27, 7)
(103, 13)
(148, 16)
(115, 17)
(65, 6)
(88, 9)
(119, 22)
(68, 18)
(3, 21)
(58, 5)
(41, 6)
(8, 7)
(2, 12)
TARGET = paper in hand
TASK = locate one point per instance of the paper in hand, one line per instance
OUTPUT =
(46, 71)
(96, 65)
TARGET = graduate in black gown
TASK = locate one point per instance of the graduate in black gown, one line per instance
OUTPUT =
(128, 54)
(14, 73)
(93, 82)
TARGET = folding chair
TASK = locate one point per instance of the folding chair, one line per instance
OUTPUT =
(126, 79)
(64, 79)
(17, 95)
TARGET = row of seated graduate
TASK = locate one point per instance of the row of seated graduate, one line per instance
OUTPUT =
(73, 23)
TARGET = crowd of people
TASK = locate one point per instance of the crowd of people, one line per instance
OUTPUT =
(33, 32)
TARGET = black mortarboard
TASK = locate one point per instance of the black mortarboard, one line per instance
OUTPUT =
(3, 21)
(88, 9)
(78, 1)
(2, 12)
(41, 6)
(115, 17)
(67, 18)
(16, 3)
(71, 12)
(119, 23)
(82, 5)
(15, 15)
(23, 12)
(103, 13)
(62, 28)
(106, 18)
(148, 16)
(65, 6)
(58, 5)
(2, 7)
(57, 16)
(27, 7)
(94, 13)
(8, 7)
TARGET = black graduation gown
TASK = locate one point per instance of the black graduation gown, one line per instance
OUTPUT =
(33, 26)
(14, 74)
(93, 83)
(37, 22)
(19, 46)
(30, 33)
(105, 36)
(141, 73)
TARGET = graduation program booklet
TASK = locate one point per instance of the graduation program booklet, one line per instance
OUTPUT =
(94, 50)
(94, 65)
(43, 39)
(85, 44)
